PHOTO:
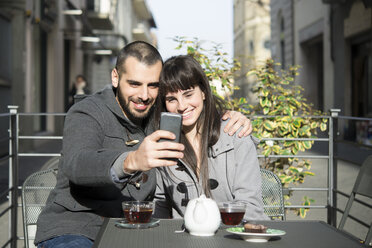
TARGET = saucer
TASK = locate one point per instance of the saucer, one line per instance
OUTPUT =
(255, 237)
(123, 223)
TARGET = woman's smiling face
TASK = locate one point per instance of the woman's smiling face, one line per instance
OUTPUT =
(189, 103)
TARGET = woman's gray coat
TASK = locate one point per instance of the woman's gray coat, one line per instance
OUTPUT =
(232, 163)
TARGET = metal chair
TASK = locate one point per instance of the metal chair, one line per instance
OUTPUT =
(51, 164)
(362, 186)
(35, 192)
(272, 195)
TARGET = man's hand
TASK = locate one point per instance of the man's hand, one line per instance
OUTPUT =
(236, 121)
(152, 153)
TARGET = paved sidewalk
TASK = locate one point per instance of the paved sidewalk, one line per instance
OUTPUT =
(347, 173)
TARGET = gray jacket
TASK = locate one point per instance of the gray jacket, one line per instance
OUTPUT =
(94, 138)
(232, 163)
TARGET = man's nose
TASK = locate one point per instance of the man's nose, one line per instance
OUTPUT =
(144, 94)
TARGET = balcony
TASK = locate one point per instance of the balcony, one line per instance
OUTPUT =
(100, 14)
(140, 32)
(141, 9)
(108, 40)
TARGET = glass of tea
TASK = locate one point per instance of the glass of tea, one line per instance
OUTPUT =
(232, 213)
(136, 212)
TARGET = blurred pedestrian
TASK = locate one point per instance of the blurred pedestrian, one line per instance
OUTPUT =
(80, 87)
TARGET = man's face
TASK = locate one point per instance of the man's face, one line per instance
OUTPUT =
(137, 88)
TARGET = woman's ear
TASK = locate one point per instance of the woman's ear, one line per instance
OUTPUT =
(114, 78)
(203, 95)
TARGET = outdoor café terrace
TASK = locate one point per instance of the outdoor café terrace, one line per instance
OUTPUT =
(331, 186)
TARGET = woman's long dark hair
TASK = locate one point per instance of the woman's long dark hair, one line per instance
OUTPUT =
(182, 73)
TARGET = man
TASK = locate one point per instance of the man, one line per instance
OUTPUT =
(109, 149)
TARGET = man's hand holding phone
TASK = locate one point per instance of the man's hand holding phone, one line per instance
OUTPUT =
(159, 148)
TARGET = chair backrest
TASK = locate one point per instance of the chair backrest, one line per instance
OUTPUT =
(272, 195)
(362, 186)
(51, 164)
(35, 192)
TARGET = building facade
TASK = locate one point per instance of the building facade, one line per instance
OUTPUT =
(251, 41)
(300, 37)
(46, 43)
(332, 41)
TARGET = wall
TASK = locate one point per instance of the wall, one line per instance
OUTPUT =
(329, 82)
(308, 44)
(284, 9)
(55, 71)
(240, 46)
(101, 71)
(251, 31)
(309, 47)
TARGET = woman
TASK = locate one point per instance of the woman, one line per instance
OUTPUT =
(220, 166)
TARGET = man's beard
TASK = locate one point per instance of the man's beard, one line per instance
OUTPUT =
(136, 117)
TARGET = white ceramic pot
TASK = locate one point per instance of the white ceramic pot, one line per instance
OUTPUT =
(202, 216)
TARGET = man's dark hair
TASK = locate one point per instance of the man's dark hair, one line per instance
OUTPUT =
(143, 51)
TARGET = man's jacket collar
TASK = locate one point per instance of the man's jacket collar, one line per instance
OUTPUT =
(109, 99)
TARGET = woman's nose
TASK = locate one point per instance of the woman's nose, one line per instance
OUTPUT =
(182, 106)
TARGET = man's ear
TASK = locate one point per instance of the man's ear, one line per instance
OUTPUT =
(114, 78)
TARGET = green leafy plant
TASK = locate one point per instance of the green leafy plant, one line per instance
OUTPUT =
(217, 67)
(284, 114)
(280, 113)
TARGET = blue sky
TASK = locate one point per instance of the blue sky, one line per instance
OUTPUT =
(209, 20)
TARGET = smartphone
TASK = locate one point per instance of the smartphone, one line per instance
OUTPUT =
(171, 122)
